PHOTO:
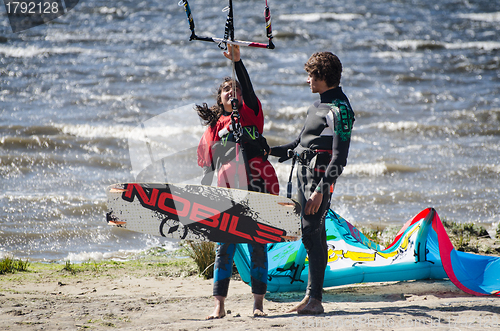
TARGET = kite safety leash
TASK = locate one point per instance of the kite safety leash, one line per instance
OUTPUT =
(290, 153)
(229, 29)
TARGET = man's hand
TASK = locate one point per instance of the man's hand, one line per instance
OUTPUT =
(313, 204)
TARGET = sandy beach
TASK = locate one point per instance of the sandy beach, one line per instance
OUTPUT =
(166, 295)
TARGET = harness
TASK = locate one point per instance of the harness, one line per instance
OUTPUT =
(317, 160)
(253, 142)
(249, 133)
(307, 155)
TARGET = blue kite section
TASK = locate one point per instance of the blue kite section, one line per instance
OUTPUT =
(421, 250)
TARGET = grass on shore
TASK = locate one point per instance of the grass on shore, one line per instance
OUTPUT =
(469, 237)
(465, 237)
(190, 259)
(9, 265)
(203, 254)
(42, 272)
(157, 262)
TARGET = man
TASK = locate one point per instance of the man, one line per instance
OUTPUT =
(321, 150)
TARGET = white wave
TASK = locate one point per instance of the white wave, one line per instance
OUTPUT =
(177, 130)
(99, 256)
(95, 131)
(315, 17)
(108, 97)
(491, 168)
(165, 131)
(410, 126)
(29, 197)
(486, 45)
(109, 10)
(393, 126)
(485, 17)
(394, 55)
(415, 44)
(156, 128)
(121, 254)
(176, 122)
(289, 110)
(343, 210)
(376, 169)
(32, 51)
(410, 44)
(399, 126)
(367, 169)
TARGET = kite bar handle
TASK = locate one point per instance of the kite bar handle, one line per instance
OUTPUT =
(267, 16)
(187, 9)
(229, 39)
(269, 29)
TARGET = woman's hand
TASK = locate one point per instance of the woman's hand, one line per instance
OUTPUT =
(233, 50)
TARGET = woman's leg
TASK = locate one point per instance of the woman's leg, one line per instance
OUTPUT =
(222, 274)
(258, 276)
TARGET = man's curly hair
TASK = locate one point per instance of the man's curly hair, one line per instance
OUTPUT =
(325, 66)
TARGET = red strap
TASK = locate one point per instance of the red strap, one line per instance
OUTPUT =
(329, 151)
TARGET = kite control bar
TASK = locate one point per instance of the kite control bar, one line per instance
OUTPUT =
(229, 29)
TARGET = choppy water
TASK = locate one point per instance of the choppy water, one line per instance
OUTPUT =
(423, 78)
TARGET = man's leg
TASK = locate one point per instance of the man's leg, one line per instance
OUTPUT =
(314, 240)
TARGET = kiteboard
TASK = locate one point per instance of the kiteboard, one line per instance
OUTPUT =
(203, 213)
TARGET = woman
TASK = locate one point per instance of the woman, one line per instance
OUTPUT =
(217, 150)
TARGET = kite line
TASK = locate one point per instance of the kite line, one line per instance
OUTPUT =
(223, 44)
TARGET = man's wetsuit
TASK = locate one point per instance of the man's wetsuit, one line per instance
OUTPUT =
(322, 148)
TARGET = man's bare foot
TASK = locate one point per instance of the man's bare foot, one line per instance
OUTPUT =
(258, 305)
(313, 307)
(301, 305)
(219, 311)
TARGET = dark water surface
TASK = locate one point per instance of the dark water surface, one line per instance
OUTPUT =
(423, 78)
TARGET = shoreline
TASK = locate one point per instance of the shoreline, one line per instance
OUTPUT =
(164, 294)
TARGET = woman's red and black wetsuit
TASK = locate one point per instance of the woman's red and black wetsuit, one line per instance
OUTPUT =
(212, 154)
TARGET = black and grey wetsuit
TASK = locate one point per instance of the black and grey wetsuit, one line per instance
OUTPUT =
(322, 148)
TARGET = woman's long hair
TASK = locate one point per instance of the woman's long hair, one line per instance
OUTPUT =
(210, 115)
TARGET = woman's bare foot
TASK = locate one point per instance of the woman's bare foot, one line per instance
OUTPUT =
(219, 311)
(259, 313)
(300, 306)
(313, 307)
(258, 305)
